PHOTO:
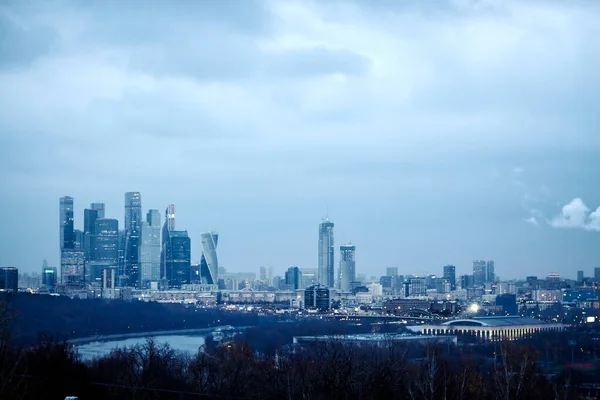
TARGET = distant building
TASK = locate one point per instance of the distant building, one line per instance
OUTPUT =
(490, 272)
(177, 258)
(133, 225)
(99, 207)
(442, 285)
(347, 267)
(149, 249)
(580, 277)
(106, 248)
(391, 271)
(9, 279)
(309, 277)
(508, 302)
(72, 267)
(450, 275)
(479, 272)
(263, 273)
(597, 274)
(386, 281)
(49, 277)
(209, 264)
(66, 228)
(415, 287)
(317, 297)
(293, 278)
(467, 282)
(325, 271)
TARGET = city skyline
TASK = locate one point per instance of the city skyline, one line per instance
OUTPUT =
(429, 134)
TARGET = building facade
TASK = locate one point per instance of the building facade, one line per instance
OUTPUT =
(209, 263)
(9, 279)
(326, 251)
(149, 250)
(450, 275)
(347, 273)
(133, 223)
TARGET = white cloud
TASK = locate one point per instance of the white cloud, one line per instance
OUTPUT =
(532, 221)
(577, 215)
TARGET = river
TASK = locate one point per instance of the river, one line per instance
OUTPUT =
(184, 343)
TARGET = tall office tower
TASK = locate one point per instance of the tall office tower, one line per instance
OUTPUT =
(293, 278)
(78, 239)
(49, 277)
(490, 274)
(391, 271)
(209, 264)
(450, 275)
(72, 271)
(149, 249)
(100, 208)
(9, 279)
(263, 273)
(170, 217)
(89, 231)
(580, 277)
(479, 272)
(269, 274)
(176, 253)
(133, 221)
(66, 227)
(106, 248)
(347, 267)
(326, 256)
(597, 274)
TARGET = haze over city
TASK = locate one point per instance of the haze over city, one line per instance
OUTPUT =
(398, 122)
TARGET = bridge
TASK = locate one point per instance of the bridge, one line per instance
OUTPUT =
(407, 318)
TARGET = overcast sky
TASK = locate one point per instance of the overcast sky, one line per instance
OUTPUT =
(430, 132)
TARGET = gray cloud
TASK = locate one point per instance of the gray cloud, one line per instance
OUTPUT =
(407, 120)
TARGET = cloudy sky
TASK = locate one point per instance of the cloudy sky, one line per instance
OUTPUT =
(429, 132)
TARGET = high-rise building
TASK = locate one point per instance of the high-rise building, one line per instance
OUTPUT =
(293, 278)
(391, 271)
(450, 275)
(317, 297)
(209, 264)
(347, 267)
(99, 207)
(415, 287)
(149, 249)
(72, 267)
(597, 274)
(490, 274)
(326, 254)
(66, 227)
(176, 253)
(49, 276)
(263, 273)
(133, 222)
(479, 274)
(106, 248)
(9, 279)
(580, 277)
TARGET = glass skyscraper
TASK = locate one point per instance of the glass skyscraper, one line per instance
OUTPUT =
(133, 222)
(106, 248)
(209, 264)
(325, 271)
(66, 227)
(175, 255)
(450, 275)
(347, 267)
(150, 248)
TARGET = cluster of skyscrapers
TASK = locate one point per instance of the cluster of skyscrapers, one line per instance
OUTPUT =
(140, 255)
(346, 276)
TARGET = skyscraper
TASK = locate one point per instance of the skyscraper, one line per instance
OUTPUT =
(293, 278)
(479, 272)
(347, 267)
(263, 273)
(580, 277)
(326, 254)
(597, 274)
(177, 258)
(149, 256)
(490, 274)
(106, 248)
(9, 279)
(98, 207)
(89, 231)
(391, 271)
(66, 227)
(450, 275)
(133, 221)
(209, 264)
(175, 255)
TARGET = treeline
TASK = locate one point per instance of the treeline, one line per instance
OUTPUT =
(62, 317)
(331, 370)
